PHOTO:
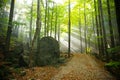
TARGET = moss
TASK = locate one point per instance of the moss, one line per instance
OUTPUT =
(49, 52)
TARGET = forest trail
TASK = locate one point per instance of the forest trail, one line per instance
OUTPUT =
(83, 67)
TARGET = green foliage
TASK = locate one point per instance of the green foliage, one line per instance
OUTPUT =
(64, 28)
(114, 64)
(3, 31)
(14, 41)
(3, 18)
(17, 70)
(18, 23)
(4, 72)
(114, 53)
(114, 68)
(114, 50)
(2, 3)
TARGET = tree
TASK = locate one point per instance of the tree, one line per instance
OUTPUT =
(85, 29)
(39, 32)
(69, 31)
(117, 7)
(97, 28)
(56, 17)
(10, 25)
(94, 30)
(100, 31)
(102, 26)
(31, 18)
(45, 27)
(52, 18)
(80, 27)
(48, 18)
(36, 33)
(59, 31)
(110, 25)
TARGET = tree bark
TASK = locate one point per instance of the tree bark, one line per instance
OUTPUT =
(52, 19)
(59, 31)
(97, 28)
(104, 43)
(117, 7)
(9, 31)
(103, 26)
(100, 32)
(79, 23)
(45, 28)
(110, 25)
(94, 30)
(48, 17)
(36, 34)
(69, 31)
(31, 18)
(85, 29)
(56, 22)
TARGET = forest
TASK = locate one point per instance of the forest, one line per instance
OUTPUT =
(59, 39)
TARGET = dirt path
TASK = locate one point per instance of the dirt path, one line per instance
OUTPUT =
(83, 67)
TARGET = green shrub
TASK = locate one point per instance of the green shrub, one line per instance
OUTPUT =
(114, 53)
(114, 68)
(114, 64)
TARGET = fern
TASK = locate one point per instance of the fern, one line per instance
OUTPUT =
(113, 64)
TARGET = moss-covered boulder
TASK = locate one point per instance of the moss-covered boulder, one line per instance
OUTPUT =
(49, 52)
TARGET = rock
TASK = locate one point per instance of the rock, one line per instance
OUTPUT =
(49, 52)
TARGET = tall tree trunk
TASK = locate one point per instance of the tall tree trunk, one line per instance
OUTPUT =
(48, 17)
(101, 33)
(85, 29)
(103, 27)
(79, 23)
(59, 31)
(97, 28)
(69, 31)
(45, 29)
(117, 7)
(36, 33)
(39, 25)
(110, 25)
(9, 31)
(31, 18)
(56, 22)
(52, 19)
(94, 30)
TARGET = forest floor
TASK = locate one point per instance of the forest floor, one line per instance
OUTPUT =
(83, 67)
(79, 67)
